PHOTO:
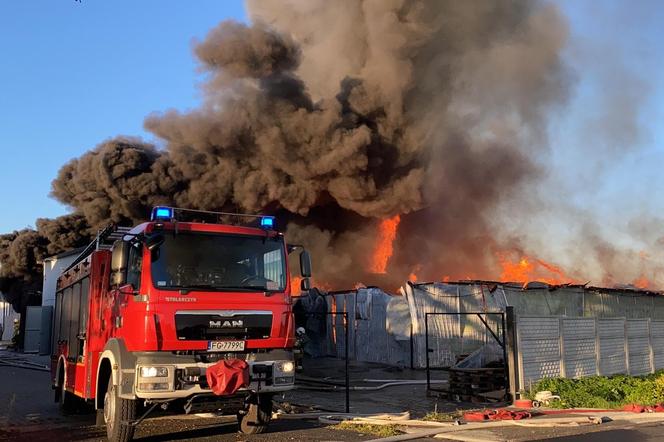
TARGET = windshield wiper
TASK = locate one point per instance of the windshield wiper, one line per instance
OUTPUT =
(184, 290)
(249, 288)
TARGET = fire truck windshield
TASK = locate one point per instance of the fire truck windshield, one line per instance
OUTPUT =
(219, 262)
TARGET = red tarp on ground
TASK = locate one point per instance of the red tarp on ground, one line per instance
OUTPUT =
(495, 415)
(227, 376)
(644, 409)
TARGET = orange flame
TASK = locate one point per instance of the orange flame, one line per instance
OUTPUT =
(387, 232)
(531, 269)
(295, 285)
(641, 282)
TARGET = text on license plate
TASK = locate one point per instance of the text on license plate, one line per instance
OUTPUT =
(225, 345)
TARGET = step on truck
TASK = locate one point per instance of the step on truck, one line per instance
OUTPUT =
(190, 312)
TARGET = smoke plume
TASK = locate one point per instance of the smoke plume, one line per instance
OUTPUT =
(334, 116)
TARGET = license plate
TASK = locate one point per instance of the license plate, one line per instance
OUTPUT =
(225, 345)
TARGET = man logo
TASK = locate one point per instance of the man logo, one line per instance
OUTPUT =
(227, 324)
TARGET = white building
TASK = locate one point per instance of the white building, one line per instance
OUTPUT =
(53, 267)
(7, 316)
(39, 320)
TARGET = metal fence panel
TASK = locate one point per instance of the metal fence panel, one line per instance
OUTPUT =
(612, 357)
(551, 346)
(539, 349)
(638, 344)
(579, 347)
(657, 341)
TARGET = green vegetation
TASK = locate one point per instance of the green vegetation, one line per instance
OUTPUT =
(442, 417)
(602, 391)
(376, 430)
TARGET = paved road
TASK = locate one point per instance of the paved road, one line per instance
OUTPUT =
(27, 412)
(627, 433)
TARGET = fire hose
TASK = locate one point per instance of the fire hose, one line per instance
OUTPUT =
(334, 386)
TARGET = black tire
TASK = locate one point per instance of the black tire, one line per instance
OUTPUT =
(256, 416)
(117, 413)
(99, 418)
(68, 401)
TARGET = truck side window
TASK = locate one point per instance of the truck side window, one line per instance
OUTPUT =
(272, 267)
(134, 263)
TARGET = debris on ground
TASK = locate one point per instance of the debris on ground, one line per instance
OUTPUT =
(286, 407)
(373, 429)
(436, 416)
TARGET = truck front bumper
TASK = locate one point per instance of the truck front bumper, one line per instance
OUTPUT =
(168, 376)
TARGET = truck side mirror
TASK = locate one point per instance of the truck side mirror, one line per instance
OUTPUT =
(305, 264)
(119, 258)
(305, 285)
(154, 241)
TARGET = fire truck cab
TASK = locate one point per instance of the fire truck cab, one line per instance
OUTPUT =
(139, 323)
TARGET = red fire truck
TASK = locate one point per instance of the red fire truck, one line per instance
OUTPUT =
(144, 315)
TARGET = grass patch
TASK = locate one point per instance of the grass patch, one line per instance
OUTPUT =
(442, 417)
(602, 391)
(376, 430)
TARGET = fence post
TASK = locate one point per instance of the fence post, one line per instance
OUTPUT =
(652, 354)
(627, 367)
(561, 346)
(511, 363)
(345, 316)
(412, 345)
(426, 350)
(598, 355)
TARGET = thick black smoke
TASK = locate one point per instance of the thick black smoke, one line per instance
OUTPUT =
(22, 252)
(335, 115)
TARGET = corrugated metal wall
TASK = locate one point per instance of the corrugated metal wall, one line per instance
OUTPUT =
(589, 333)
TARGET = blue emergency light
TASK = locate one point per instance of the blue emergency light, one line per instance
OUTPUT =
(162, 213)
(267, 222)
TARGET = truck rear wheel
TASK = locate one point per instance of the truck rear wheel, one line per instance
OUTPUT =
(118, 413)
(66, 399)
(256, 416)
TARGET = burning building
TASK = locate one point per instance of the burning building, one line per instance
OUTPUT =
(388, 136)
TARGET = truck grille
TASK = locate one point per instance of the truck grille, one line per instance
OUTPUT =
(223, 325)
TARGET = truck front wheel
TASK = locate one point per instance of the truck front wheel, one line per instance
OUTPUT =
(118, 415)
(256, 415)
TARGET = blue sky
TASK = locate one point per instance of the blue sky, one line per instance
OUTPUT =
(74, 74)
(608, 143)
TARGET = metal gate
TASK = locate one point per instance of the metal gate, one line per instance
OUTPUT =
(471, 348)
(33, 320)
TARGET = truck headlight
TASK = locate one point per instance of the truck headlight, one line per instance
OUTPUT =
(153, 372)
(286, 366)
